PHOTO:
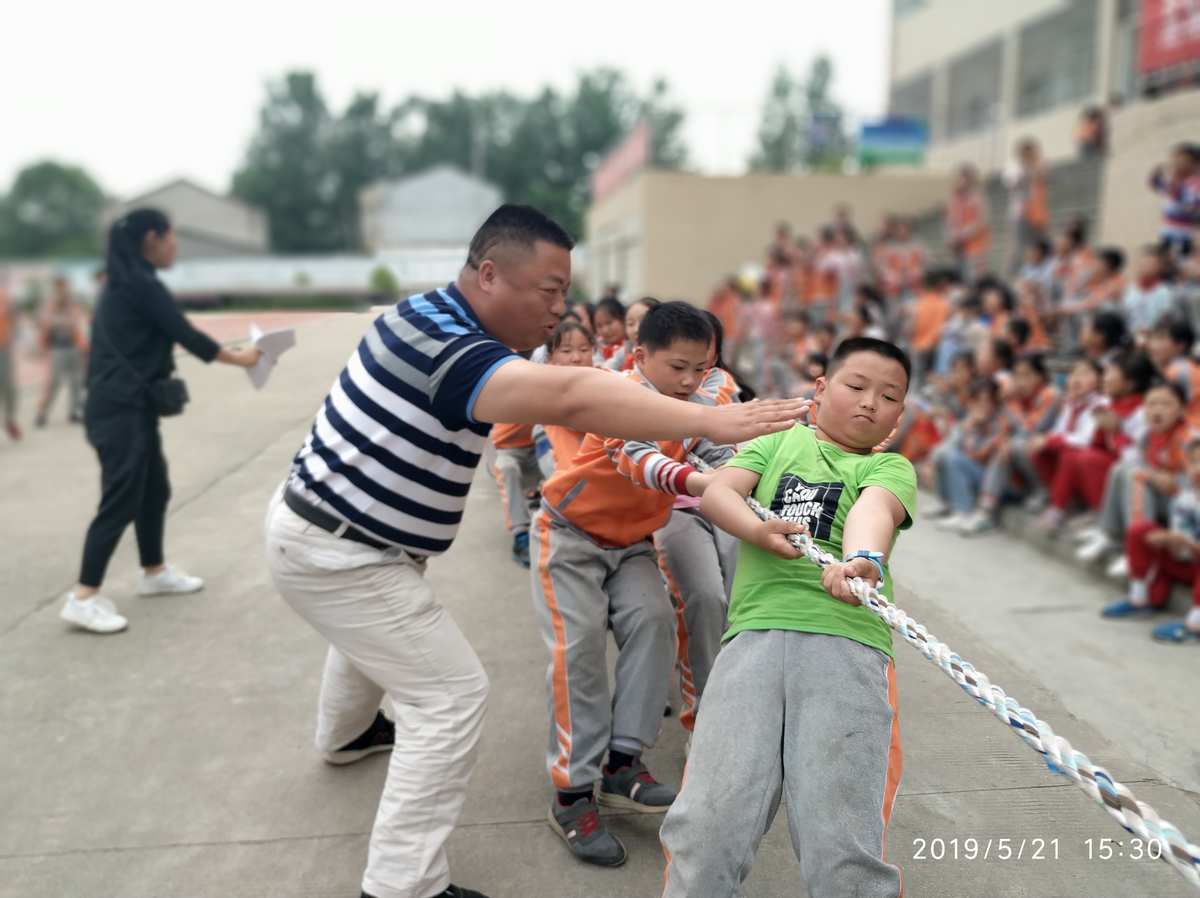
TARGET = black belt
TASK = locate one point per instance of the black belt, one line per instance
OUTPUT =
(328, 522)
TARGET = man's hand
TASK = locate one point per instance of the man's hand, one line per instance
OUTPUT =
(772, 537)
(697, 483)
(836, 578)
(737, 423)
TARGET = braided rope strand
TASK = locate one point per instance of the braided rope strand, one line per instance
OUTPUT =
(1060, 756)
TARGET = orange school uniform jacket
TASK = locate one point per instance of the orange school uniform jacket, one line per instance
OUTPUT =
(1037, 412)
(618, 492)
(512, 436)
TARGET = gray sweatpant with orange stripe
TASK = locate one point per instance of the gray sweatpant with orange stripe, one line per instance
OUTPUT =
(697, 559)
(580, 590)
(516, 472)
(802, 714)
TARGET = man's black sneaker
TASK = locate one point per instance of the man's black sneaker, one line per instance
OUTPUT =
(451, 892)
(379, 736)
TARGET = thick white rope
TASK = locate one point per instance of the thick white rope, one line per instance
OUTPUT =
(1134, 816)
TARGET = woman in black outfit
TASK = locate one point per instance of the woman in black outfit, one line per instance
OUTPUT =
(136, 327)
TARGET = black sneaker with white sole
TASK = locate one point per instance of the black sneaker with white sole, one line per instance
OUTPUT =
(379, 736)
(581, 828)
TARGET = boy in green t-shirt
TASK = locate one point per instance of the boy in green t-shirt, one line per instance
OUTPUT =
(802, 697)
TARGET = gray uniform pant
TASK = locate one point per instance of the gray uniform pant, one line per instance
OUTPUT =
(65, 365)
(8, 383)
(580, 590)
(999, 477)
(802, 714)
(516, 472)
(1125, 499)
(697, 560)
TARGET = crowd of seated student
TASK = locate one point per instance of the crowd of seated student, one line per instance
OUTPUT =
(1067, 382)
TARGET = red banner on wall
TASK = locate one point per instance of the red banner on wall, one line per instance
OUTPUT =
(629, 157)
(1169, 34)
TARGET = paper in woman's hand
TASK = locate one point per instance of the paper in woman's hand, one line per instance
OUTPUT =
(273, 345)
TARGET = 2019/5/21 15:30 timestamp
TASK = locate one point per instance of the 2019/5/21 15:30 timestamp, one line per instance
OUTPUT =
(972, 849)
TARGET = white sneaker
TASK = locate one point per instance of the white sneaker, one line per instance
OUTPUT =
(1096, 546)
(1088, 534)
(954, 522)
(169, 581)
(977, 522)
(1119, 569)
(97, 614)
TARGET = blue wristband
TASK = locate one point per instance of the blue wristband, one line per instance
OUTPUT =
(876, 558)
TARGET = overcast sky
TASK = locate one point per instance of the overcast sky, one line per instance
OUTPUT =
(137, 93)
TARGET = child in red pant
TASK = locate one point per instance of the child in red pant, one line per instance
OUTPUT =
(1082, 473)
(1159, 558)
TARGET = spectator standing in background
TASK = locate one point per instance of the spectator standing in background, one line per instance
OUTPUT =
(1028, 207)
(62, 332)
(1179, 184)
(8, 363)
(967, 231)
(1091, 134)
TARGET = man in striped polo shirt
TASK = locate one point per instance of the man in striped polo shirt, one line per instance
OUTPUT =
(380, 484)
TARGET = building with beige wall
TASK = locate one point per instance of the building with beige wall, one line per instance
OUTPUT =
(983, 74)
(208, 224)
(676, 235)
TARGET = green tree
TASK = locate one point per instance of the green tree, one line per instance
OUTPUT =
(825, 141)
(802, 126)
(52, 210)
(780, 133)
(362, 147)
(286, 172)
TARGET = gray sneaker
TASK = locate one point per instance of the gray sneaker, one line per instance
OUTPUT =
(634, 789)
(580, 827)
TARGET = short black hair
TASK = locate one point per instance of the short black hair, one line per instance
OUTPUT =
(1136, 367)
(966, 357)
(1112, 329)
(1178, 329)
(569, 326)
(671, 321)
(613, 306)
(851, 345)
(1191, 150)
(1161, 383)
(513, 224)
(1113, 258)
(1036, 361)
(1020, 330)
(984, 386)
(1004, 353)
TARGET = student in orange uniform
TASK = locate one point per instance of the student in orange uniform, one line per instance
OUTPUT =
(555, 445)
(929, 315)
(516, 473)
(8, 365)
(610, 325)
(1029, 209)
(1170, 348)
(967, 230)
(622, 359)
(698, 560)
(594, 567)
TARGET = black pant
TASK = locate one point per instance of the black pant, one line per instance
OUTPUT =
(134, 487)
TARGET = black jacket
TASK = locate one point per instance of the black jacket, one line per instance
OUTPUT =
(139, 317)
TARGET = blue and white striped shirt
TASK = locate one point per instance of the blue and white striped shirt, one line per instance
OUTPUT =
(394, 447)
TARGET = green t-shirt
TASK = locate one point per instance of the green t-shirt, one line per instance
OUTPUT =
(814, 483)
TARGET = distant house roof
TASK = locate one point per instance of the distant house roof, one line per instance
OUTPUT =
(208, 217)
(441, 206)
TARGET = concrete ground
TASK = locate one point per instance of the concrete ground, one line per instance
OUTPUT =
(175, 760)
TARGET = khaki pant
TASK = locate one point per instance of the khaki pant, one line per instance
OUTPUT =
(388, 636)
